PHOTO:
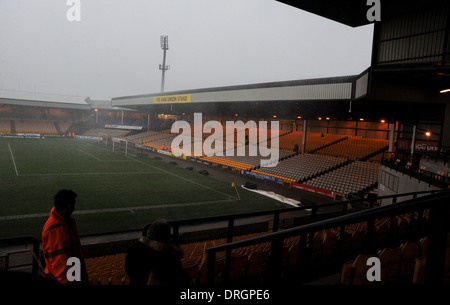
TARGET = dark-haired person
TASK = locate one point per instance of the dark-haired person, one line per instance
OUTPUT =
(155, 260)
(60, 241)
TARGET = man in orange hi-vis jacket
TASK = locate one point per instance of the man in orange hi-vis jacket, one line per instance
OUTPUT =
(61, 244)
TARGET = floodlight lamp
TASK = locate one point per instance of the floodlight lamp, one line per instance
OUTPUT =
(444, 90)
(164, 40)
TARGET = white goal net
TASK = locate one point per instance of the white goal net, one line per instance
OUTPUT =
(120, 145)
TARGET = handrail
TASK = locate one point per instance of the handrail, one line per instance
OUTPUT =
(318, 225)
(276, 213)
(230, 218)
(415, 172)
(435, 201)
(25, 240)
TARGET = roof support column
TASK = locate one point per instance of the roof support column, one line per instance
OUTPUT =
(391, 136)
(413, 140)
(304, 137)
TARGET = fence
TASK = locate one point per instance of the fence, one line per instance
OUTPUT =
(313, 217)
(438, 218)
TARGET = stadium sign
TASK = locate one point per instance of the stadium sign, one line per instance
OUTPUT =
(88, 138)
(313, 189)
(262, 177)
(29, 135)
(172, 99)
(115, 126)
(420, 145)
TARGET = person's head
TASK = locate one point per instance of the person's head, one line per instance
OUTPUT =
(159, 230)
(64, 201)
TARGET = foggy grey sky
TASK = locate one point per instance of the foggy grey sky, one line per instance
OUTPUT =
(115, 49)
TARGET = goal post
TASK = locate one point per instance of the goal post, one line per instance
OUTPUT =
(119, 144)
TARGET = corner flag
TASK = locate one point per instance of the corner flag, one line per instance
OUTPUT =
(234, 185)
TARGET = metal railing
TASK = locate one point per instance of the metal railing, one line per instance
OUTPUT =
(24, 241)
(418, 173)
(314, 213)
(314, 218)
(436, 203)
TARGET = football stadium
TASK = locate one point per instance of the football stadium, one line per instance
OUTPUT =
(361, 168)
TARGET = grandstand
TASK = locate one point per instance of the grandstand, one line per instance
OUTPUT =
(355, 148)
(34, 127)
(338, 172)
(391, 176)
(314, 141)
(5, 126)
(105, 132)
(352, 178)
(304, 166)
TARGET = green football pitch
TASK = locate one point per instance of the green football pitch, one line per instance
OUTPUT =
(116, 192)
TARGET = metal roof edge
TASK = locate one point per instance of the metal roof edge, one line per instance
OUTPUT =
(288, 83)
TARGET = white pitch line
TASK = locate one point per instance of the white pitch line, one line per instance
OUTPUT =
(12, 156)
(204, 186)
(100, 160)
(112, 210)
(90, 155)
(81, 174)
